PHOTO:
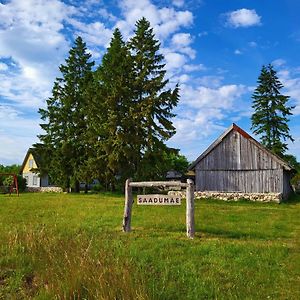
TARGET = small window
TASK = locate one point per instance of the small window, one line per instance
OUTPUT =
(26, 178)
(34, 180)
(30, 163)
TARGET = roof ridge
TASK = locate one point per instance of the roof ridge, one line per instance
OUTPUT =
(235, 127)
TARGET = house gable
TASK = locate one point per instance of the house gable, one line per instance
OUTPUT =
(29, 164)
(237, 150)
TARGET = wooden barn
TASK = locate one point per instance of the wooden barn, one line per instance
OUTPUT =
(236, 162)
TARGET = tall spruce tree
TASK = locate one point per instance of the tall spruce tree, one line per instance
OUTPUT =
(65, 118)
(153, 101)
(271, 111)
(109, 118)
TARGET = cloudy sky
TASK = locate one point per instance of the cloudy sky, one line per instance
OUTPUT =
(213, 48)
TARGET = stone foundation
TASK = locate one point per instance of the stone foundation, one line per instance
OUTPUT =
(234, 196)
(45, 189)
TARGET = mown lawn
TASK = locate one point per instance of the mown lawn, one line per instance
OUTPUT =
(58, 246)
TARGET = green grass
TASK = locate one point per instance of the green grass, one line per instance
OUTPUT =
(58, 246)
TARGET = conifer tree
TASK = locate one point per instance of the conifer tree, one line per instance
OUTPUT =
(65, 117)
(271, 111)
(110, 112)
(153, 101)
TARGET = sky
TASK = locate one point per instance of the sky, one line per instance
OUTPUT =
(214, 49)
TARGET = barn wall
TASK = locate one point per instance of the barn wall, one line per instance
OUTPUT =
(245, 181)
(236, 152)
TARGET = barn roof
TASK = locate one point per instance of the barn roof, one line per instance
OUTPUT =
(234, 127)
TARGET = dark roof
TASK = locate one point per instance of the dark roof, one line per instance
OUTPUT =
(283, 163)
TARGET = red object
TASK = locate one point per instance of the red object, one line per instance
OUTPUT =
(15, 182)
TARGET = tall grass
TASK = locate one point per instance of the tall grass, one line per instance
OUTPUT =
(71, 247)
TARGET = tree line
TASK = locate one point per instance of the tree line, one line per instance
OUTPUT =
(113, 121)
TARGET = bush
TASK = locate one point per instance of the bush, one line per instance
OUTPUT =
(21, 183)
(296, 182)
(8, 181)
(97, 188)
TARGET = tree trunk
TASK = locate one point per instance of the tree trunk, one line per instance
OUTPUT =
(77, 187)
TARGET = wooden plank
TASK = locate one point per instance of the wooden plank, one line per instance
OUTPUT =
(157, 184)
(157, 199)
(190, 218)
(128, 207)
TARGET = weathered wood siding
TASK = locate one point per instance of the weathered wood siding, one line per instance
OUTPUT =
(238, 164)
(245, 181)
(236, 152)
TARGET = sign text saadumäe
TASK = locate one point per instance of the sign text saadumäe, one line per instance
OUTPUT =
(158, 200)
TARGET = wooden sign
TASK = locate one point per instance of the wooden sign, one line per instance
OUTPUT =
(158, 200)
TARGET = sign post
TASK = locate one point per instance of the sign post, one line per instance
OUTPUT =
(128, 207)
(160, 200)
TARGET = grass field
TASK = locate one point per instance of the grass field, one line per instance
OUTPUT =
(58, 246)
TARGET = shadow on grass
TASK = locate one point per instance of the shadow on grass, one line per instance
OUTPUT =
(205, 232)
(293, 200)
(239, 235)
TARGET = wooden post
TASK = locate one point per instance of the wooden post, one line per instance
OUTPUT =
(128, 207)
(190, 219)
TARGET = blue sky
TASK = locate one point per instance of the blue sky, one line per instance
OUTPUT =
(213, 48)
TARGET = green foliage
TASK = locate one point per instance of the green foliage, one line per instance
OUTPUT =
(112, 123)
(295, 181)
(65, 125)
(58, 246)
(21, 183)
(271, 111)
(178, 162)
(13, 169)
(8, 181)
(109, 117)
(292, 161)
(153, 101)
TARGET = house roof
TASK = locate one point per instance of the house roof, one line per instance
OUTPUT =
(234, 127)
(35, 156)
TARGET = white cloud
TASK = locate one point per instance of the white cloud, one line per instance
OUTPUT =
(178, 3)
(181, 39)
(94, 34)
(203, 33)
(243, 18)
(222, 97)
(278, 62)
(16, 134)
(181, 42)
(193, 68)
(165, 21)
(252, 44)
(107, 15)
(31, 36)
(174, 60)
(291, 85)
(238, 52)
(211, 81)
(3, 66)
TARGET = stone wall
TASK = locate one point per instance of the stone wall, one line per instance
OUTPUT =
(234, 196)
(48, 189)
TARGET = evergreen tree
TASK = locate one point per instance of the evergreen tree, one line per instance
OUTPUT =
(65, 118)
(153, 101)
(271, 111)
(109, 118)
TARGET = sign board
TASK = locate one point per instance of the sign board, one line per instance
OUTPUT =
(158, 200)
